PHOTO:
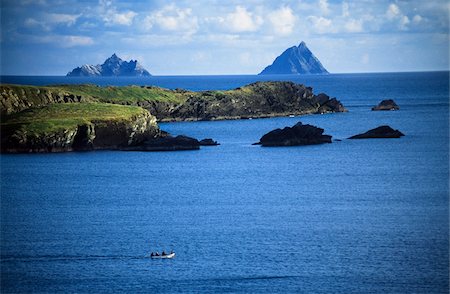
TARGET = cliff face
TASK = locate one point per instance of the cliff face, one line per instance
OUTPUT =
(15, 98)
(295, 60)
(92, 135)
(260, 99)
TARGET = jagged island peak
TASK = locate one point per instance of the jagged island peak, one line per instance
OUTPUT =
(295, 60)
(113, 66)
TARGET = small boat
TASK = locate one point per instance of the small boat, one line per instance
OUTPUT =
(171, 255)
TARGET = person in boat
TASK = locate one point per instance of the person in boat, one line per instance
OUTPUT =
(171, 251)
(152, 254)
(156, 254)
(164, 253)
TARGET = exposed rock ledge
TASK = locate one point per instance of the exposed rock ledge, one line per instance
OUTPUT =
(299, 134)
(380, 132)
(166, 143)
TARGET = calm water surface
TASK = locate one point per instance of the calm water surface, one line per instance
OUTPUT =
(355, 216)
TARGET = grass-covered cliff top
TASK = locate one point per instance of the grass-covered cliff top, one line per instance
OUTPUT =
(54, 117)
(94, 92)
(259, 99)
(131, 94)
(15, 98)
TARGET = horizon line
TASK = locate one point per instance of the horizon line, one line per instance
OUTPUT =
(187, 75)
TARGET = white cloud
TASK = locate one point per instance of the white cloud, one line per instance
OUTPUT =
(65, 41)
(404, 21)
(68, 19)
(111, 16)
(321, 24)
(345, 11)
(354, 26)
(72, 41)
(31, 22)
(393, 11)
(173, 18)
(155, 40)
(417, 19)
(51, 19)
(241, 20)
(323, 5)
(283, 20)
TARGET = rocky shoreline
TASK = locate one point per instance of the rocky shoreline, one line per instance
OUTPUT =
(33, 120)
(256, 100)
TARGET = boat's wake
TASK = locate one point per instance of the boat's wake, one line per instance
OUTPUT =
(50, 258)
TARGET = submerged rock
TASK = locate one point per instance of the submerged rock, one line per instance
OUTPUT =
(208, 142)
(380, 132)
(388, 104)
(299, 134)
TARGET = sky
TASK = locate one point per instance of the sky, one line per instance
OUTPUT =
(199, 37)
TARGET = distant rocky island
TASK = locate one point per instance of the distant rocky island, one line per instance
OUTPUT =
(89, 117)
(113, 66)
(295, 60)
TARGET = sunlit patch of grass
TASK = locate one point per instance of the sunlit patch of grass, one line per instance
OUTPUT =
(54, 117)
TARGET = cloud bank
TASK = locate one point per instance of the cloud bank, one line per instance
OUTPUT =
(181, 37)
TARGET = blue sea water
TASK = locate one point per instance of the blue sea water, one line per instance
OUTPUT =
(354, 216)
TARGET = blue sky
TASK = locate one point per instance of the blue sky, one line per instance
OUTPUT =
(51, 37)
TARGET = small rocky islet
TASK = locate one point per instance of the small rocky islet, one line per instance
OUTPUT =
(381, 132)
(387, 104)
(299, 134)
(88, 117)
(305, 134)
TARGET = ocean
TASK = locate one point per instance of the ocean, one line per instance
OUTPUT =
(353, 216)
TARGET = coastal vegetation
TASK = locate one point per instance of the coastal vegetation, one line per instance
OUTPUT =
(76, 126)
(260, 99)
(55, 117)
(88, 117)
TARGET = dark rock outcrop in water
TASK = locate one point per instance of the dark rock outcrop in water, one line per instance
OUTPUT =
(208, 142)
(386, 105)
(166, 143)
(380, 132)
(299, 134)
(113, 66)
(295, 60)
